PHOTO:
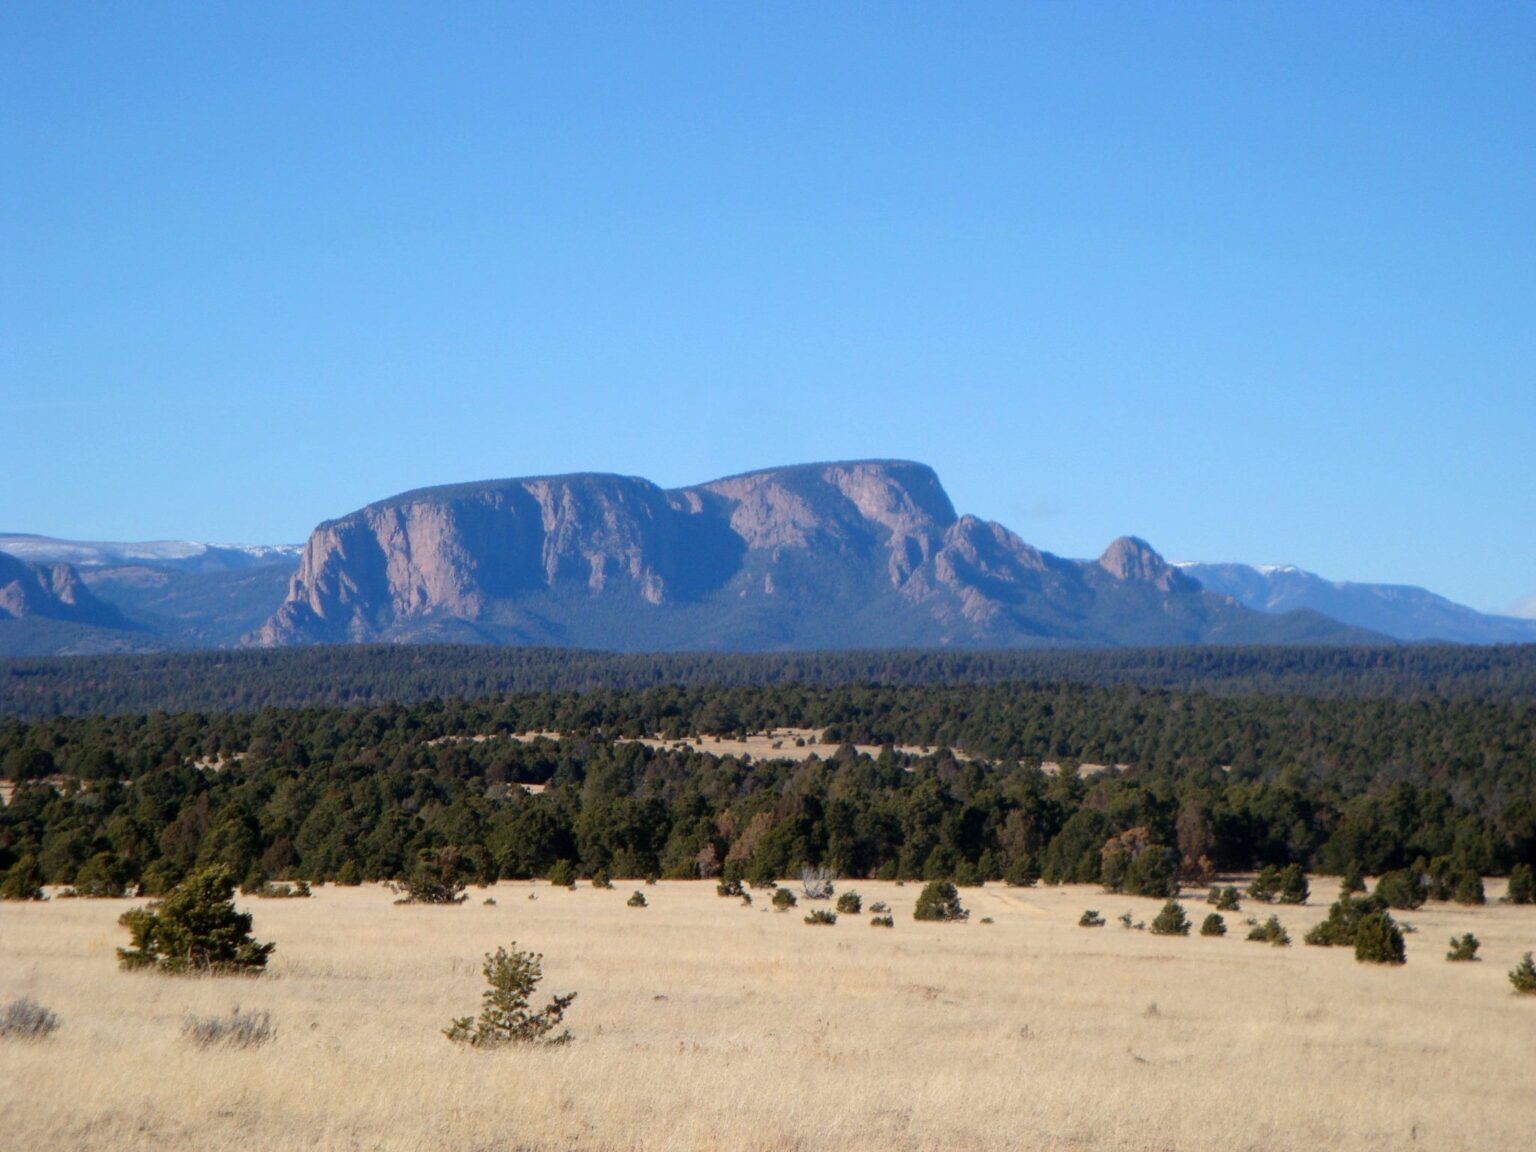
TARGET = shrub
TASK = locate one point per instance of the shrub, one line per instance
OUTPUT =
(816, 883)
(851, 903)
(1266, 884)
(1463, 948)
(728, 888)
(600, 879)
(1271, 932)
(1171, 921)
(237, 1030)
(504, 1017)
(1469, 889)
(296, 891)
(1090, 919)
(637, 900)
(1338, 930)
(880, 907)
(939, 901)
(1379, 941)
(882, 922)
(1522, 885)
(194, 929)
(489, 901)
(1225, 899)
(349, 875)
(1213, 925)
(821, 916)
(1523, 976)
(1294, 888)
(1353, 882)
(1022, 872)
(562, 874)
(967, 875)
(103, 876)
(783, 900)
(437, 878)
(26, 1019)
(1403, 889)
(763, 882)
(24, 881)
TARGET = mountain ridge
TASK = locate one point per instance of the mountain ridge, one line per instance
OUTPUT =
(831, 554)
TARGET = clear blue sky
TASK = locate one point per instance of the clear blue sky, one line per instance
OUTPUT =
(1254, 281)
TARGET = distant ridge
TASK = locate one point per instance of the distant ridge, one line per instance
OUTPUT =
(1397, 610)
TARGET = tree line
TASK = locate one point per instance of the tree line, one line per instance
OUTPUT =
(224, 681)
(1212, 783)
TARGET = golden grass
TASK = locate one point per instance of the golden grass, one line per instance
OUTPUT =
(705, 1025)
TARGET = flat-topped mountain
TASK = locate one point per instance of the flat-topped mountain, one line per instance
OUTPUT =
(852, 554)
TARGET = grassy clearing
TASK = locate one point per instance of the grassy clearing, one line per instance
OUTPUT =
(703, 1024)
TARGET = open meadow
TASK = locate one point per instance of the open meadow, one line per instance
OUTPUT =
(704, 1024)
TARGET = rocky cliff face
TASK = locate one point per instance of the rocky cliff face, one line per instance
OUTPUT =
(866, 553)
(50, 592)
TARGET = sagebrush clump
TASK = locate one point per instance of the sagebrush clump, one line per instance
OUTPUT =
(821, 916)
(195, 928)
(237, 1030)
(783, 900)
(850, 903)
(26, 1019)
(637, 900)
(1213, 925)
(505, 1018)
(1090, 919)
(882, 922)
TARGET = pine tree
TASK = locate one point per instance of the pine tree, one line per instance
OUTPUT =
(1522, 885)
(1463, 948)
(1171, 921)
(1353, 882)
(939, 901)
(1378, 940)
(1524, 976)
(1469, 889)
(195, 928)
(1293, 888)
(24, 881)
(504, 1017)
(1265, 884)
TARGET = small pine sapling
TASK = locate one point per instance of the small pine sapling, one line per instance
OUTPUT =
(505, 1018)
(1463, 948)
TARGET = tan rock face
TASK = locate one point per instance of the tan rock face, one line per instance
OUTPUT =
(51, 591)
(821, 555)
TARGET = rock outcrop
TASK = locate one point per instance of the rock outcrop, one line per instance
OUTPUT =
(866, 553)
(51, 592)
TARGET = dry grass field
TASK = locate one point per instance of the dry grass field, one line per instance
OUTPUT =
(702, 1024)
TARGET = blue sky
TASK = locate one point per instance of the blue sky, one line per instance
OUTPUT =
(1253, 281)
